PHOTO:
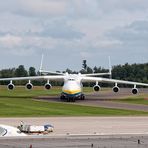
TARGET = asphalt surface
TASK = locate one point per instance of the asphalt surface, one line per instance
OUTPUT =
(82, 132)
(119, 141)
(106, 99)
(87, 125)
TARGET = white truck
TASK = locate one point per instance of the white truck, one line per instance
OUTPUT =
(26, 128)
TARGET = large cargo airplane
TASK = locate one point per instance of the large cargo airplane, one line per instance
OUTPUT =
(73, 83)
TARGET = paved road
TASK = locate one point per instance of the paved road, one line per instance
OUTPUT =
(118, 141)
(117, 105)
(87, 125)
(82, 132)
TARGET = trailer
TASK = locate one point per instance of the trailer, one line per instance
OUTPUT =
(26, 128)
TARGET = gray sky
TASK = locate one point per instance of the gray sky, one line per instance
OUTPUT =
(68, 31)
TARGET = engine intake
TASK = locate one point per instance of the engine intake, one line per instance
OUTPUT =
(29, 86)
(116, 89)
(47, 86)
(134, 91)
(96, 88)
(10, 86)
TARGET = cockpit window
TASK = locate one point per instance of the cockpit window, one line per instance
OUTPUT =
(71, 79)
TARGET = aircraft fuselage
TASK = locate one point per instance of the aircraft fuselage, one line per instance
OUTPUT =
(72, 88)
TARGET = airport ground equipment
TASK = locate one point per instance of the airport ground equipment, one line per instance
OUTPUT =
(26, 128)
(3, 131)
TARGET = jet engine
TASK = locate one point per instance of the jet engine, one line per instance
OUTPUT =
(116, 89)
(10, 86)
(47, 86)
(29, 86)
(96, 88)
(134, 91)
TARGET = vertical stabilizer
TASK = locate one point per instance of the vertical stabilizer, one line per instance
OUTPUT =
(110, 67)
(41, 65)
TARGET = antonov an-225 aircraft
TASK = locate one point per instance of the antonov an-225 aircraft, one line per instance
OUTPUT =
(72, 87)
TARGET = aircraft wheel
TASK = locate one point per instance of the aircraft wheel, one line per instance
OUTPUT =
(73, 99)
(68, 99)
(62, 97)
(82, 97)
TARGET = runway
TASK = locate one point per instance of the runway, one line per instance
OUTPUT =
(82, 132)
(87, 125)
(118, 141)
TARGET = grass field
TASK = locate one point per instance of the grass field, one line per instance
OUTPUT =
(20, 103)
(138, 99)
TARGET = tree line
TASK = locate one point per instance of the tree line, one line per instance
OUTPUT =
(129, 72)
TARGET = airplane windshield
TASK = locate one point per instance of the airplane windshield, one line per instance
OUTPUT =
(71, 79)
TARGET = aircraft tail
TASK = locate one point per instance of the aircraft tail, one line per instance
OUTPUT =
(110, 67)
(41, 65)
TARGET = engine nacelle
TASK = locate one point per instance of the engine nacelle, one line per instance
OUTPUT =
(10, 86)
(47, 86)
(96, 88)
(29, 86)
(134, 91)
(116, 89)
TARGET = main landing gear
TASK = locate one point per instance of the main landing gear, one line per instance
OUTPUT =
(68, 99)
(72, 98)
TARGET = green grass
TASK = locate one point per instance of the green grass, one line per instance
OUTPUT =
(15, 107)
(20, 103)
(138, 99)
(21, 92)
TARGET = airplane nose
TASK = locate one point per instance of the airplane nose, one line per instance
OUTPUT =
(71, 91)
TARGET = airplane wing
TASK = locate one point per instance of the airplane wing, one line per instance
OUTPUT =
(50, 77)
(107, 80)
(97, 74)
(50, 72)
(29, 85)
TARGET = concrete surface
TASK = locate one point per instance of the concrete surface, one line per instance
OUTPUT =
(82, 132)
(87, 125)
(118, 141)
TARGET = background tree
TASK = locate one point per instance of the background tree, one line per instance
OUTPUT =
(32, 71)
(21, 72)
(84, 65)
(129, 72)
(7, 73)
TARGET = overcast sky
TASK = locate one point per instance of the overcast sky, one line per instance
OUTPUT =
(69, 31)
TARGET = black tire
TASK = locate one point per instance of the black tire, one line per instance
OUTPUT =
(82, 97)
(62, 97)
(73, 99)
(68, 99)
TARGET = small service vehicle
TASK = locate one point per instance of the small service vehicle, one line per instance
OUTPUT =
(26, 128)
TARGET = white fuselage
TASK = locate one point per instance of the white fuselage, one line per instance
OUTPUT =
(72, 85)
